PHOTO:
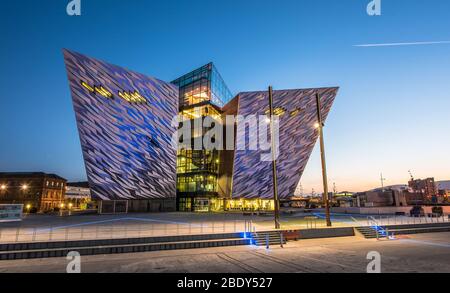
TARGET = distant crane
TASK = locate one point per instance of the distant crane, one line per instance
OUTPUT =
(411, 175)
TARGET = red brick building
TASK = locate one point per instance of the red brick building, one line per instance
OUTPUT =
(37, 191)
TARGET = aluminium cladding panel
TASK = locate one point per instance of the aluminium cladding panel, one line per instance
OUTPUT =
(126, 146)
(252, 178)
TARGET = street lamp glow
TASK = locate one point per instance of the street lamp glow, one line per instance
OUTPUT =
(316, 125)
(61, 205)
(3, 187)
(24, 187)
(28, 206)
(70, 205)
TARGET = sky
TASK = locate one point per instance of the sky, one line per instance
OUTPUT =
(391, 114)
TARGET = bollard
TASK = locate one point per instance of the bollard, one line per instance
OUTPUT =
(378, 236)
(67, 234)
(34, 235)
(387, 233)
(267, 241)
(17, 234)
(281, 240)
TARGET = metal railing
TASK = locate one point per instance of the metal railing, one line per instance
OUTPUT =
(407, 220)
(93, 232)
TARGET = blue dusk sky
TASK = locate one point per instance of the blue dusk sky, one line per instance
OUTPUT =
(391, 114)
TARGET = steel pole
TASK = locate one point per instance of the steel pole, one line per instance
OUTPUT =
(274, 163)
(324, 165)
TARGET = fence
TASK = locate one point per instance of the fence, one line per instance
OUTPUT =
(115, 231)
(405, 220)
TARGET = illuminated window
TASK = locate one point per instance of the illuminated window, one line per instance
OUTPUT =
(88, 87)
(296, 112)
(134, 97)
(103, 92)
(277, 111)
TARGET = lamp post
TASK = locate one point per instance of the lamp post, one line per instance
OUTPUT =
(70, 205)
(274, 163)
(61, 207)
(320, 126)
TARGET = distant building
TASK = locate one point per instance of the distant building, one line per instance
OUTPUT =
(343, 199)
(78, 194)
(443, 185)
(443, 190)
(426, 187)
(380, 198)
(37, 191)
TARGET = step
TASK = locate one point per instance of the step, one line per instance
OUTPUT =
(370, 233)
(118, 241)
(127, 248)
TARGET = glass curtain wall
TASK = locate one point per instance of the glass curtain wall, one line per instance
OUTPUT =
(202, 94)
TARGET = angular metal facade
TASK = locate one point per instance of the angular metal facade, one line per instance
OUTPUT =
(252, 178)
(124, 122)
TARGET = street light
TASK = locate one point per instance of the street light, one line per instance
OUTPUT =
(24, 187)
(28, 207)
(320, 126)
(3, 187)
(274, 162)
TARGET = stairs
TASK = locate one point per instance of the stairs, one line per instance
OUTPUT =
(370, 232)
(261, 238)
(114, 246)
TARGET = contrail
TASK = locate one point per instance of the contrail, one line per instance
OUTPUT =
(403, 44)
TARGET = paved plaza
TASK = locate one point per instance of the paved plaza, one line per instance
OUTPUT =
(427, 253)
(35, 228)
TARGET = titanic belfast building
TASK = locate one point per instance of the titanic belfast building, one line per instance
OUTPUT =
(129, 128)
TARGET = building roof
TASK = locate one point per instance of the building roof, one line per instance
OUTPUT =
(443, 185)
(29, 174)
(82, 184)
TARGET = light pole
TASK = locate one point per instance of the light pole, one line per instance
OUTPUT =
(274, 163)
(320, 126)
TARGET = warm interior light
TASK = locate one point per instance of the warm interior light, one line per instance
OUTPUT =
(88, 87)
(102, 91)
(316, 125)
